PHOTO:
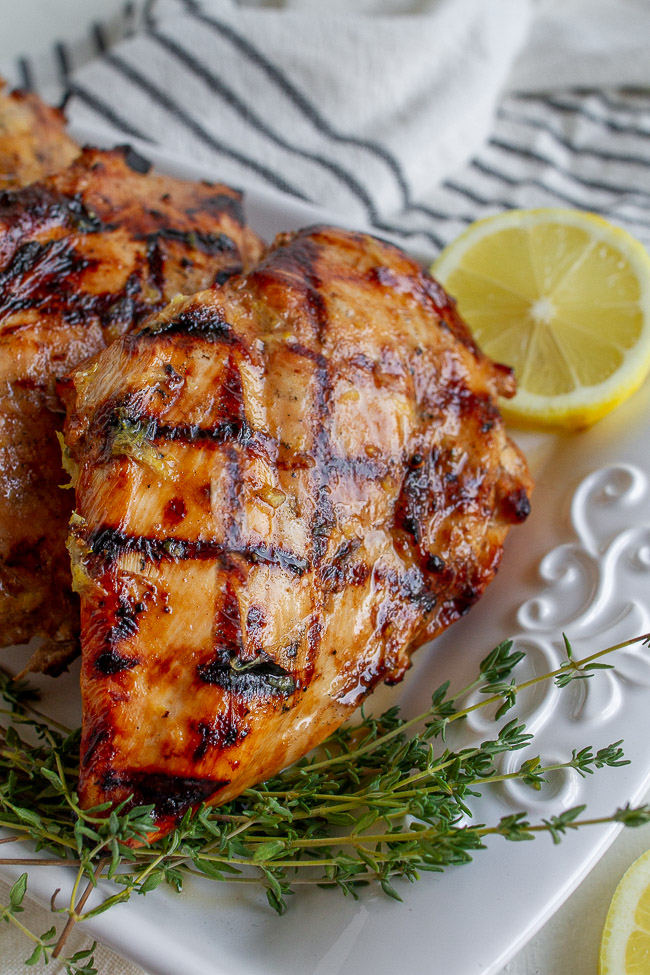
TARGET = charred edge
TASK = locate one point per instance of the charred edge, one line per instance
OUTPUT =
(218, 204)
(110, 543)
(294, 262)
(142, 427)
(200, 321)
(110, 662)
(34, 208)
(204, 241)
(410, 586)
(125, 623)
(295, 265)
(416, 282)
(259, 678)
(133, 159)
(99, 737)
(444, 306)
(170, 795)
(342, 571)
(40, 264)
(415, 499)
(515, 506)
(222, 732)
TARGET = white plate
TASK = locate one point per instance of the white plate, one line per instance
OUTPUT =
(581, 564)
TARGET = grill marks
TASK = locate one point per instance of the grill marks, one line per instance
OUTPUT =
(144, 428)
(245, 676)
(206, 243)
(41, 207)
(110, 544)
(26, 280)
(31, 268)
(298, 266)
(255, 679)
(48, 273)
(112, 662)
(85, 256)
(203, 322)
(264, 379)
(48, 277)
(170, 795)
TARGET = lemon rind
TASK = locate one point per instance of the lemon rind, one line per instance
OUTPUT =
(615, 933)
(571, 410)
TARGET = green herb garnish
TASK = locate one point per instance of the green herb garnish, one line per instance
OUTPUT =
(382, 799)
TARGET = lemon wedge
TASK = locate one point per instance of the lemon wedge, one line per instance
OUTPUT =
(563, 297)
(625, 944)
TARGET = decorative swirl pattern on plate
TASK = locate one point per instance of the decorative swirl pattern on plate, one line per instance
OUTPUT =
(596, 591)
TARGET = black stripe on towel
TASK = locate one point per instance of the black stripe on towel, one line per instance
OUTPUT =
(188, 122)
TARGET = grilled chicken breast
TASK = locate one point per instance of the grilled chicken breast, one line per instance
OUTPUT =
(33, 140)
(283, 487)
(84, 256)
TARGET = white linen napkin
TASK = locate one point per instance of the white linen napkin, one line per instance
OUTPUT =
(413, 116)
(365, 114)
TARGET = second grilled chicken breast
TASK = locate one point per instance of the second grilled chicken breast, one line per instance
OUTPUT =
(283, 486)
(33, 140)
(84, 256)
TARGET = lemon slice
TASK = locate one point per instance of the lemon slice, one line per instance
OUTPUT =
(625, 945)
(563, 297)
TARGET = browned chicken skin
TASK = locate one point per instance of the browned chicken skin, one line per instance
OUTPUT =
(33, 140)
(284, 486)
(84, 256)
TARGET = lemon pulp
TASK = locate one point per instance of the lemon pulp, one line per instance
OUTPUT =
(563, 297)
(625, 944)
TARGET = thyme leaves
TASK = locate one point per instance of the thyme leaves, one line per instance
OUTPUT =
(384, 800)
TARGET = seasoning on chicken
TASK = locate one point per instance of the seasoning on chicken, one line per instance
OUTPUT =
(33, 140)
(284, 486)
(84, 256)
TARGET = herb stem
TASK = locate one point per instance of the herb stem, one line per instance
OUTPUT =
(75, 912)
(462, 713)
(7, 915)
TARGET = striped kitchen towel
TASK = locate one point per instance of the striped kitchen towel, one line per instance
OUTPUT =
(412, 117)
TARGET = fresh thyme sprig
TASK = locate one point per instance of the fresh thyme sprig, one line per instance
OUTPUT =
(383, 799)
